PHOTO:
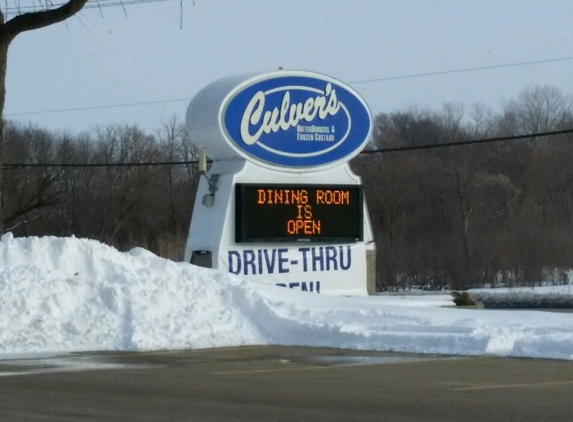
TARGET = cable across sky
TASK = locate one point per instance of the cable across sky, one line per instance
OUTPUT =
(92, 4)
(361, 81)
(11, 166)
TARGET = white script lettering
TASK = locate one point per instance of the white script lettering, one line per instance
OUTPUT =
(287, 116)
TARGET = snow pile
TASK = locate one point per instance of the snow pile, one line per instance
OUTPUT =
(68, 294)
(59, 294)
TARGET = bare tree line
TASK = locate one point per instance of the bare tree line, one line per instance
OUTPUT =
(457, 216)
(147, 206)
(465, 216)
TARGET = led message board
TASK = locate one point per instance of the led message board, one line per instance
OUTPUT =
(296, 212)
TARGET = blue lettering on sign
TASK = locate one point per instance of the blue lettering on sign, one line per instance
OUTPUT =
(249, 261)
(283, 260)
(305, 288)
(310, 286)
(234, 262)
(331, 258)
(295, 119)
(262, 261)
(325, 258)
(271, 261)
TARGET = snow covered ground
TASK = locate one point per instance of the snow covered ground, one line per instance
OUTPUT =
(68, 294)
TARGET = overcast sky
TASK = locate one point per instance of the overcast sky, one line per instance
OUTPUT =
(114, 57)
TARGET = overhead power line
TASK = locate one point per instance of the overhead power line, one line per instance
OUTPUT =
(362, 81)
(464, 70)
(91, 4)
(471, 142)
(371, 151)
(93, 165)
(65, 110)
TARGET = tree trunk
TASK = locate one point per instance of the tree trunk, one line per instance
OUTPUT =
(8, 31)
(3, 60)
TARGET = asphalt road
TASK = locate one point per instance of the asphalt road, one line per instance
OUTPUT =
(284, 384)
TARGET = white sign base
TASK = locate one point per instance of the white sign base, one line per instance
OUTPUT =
(338, 269)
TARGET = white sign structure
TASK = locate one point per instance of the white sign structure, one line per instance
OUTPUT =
(280, 204)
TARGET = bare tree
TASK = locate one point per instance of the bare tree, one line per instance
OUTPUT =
(8, 31)
(126, 190)
(170, 141)
(539, 109)
(29, 191)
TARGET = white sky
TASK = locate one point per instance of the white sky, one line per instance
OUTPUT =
(145, 56)
(68, 294)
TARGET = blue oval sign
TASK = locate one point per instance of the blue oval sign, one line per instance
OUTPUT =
(296, 120)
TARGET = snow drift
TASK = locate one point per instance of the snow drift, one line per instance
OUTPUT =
(69, 294)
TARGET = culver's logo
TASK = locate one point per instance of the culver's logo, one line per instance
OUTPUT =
(296, 120)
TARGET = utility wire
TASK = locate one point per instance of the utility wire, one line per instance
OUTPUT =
(362, 81)
(72, 165)
(469, 69)
(91, 4)
(475, 141)
(371, 151)
(65, 110)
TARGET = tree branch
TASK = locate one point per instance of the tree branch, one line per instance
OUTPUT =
(39, 203)
(36, 20)
(9, 229)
